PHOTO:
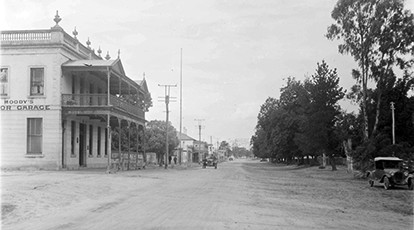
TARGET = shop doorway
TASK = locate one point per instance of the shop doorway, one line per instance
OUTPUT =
(82, 146)
(195, 157)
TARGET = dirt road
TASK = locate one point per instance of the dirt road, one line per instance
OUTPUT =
(238, 195)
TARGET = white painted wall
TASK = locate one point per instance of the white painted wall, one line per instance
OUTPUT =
(14, 122)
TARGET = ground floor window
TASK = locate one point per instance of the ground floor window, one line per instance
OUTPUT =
(34, 135)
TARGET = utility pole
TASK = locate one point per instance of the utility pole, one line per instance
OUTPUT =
(393, 122)
(167, 101)
(181, 106)
(199, 134)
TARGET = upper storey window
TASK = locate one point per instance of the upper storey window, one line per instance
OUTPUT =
(37, 81)
(4, 82)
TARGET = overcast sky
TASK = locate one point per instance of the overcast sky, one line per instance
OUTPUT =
(236, 53)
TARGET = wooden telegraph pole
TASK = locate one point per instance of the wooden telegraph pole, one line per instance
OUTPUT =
(199, 135)
(181, 107)
(167, 101)
(393, 122)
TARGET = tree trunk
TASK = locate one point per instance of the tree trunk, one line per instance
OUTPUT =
(323, 160)
(365, 69)
(348, 151)
(364, 107)
(332, 161)
(378, 108)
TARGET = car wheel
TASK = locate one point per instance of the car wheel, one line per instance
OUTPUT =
(386, 183)
(371, 183)
(410, 185)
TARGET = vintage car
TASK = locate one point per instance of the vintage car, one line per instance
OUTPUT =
(210, 161)
(389, 172)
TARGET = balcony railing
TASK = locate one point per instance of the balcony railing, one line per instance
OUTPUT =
(36, 37)
(25, 35)
(97, 100)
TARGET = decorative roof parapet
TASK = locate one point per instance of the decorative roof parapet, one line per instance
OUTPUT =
(88, 43)
(53, 36)
(75, 33)
(99, 52)
(57, 19)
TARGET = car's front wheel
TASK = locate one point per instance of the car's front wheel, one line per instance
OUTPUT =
(371, 183)
(410, 184)
(386, 183)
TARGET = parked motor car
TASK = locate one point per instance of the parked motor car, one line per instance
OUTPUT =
(389, 172)
(231, 158)
(210, 161)
(263, 160)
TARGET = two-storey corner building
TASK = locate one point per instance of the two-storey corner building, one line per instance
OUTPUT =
(63, 106)
(187, 145)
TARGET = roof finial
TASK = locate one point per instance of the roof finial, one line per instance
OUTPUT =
(57, 18)
(75, 33)
(119, 53)
(88, 43)
(144, 75)
(107, 57)
(99, 51)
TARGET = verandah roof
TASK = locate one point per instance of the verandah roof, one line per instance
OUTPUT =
(99, 68)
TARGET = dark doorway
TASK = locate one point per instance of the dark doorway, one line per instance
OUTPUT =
(82, 146)
(195, 157)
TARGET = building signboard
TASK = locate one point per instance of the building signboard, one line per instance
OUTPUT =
(28, 104)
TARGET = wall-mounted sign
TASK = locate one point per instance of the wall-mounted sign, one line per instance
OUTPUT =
(28, 104)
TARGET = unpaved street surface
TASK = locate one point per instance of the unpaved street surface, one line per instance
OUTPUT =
(238, 195)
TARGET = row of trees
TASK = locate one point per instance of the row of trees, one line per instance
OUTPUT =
(307, 121)
(302, 122)
(239, 152)
(154, 139)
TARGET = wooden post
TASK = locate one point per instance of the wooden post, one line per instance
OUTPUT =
(108, 117)
(120, 144)
(137, 153)
(129, 143)
(108, 142)
(144, 154)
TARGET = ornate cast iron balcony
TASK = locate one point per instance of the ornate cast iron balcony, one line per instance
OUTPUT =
(97, 101)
